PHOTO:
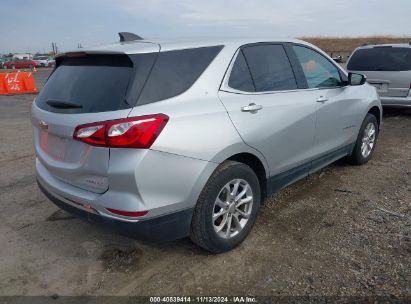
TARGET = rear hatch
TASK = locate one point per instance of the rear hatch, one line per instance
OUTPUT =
(388, 68)
(85, 87)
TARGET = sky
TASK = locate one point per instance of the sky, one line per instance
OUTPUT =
(32, 25)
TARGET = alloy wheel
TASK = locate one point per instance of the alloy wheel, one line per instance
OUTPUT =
(232, 208)
(368, 140)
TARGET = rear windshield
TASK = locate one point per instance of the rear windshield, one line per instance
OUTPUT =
(87, 84)
(101, 83)
(381, 59)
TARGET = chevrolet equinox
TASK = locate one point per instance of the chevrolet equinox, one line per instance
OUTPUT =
(166, 139)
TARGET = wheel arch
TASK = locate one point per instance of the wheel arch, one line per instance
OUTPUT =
(256, 165)
(374, 110)
(250, 156)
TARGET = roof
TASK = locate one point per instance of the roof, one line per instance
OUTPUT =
(146, 46)
(402, 45)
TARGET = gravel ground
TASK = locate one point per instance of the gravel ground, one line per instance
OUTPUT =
(343, 231)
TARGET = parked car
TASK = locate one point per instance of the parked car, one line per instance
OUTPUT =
(186, 138)
(44, 61)
(2, 61)
(388, 68)
(51, 62)
(22, 56)
(20, 64)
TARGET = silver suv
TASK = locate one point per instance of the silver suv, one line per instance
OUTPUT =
(167, 139)
(388, 68)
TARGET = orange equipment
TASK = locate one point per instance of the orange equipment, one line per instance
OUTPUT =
(17, 83)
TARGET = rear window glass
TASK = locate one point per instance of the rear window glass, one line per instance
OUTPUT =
(240, 77)
(175, 72)
(87, 84)
(270, 68)
(101, 83)
(381, 59)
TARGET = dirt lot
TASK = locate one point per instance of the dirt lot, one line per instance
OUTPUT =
(343, 231)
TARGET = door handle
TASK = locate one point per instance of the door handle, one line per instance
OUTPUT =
(322, 99)
(252, 107)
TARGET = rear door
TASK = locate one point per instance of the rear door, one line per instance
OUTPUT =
(388, 68)
(85, 88)
(271, 114)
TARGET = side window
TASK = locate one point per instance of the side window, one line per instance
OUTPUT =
(176, 71)
(270, 68)
(240, 77)
(318, 70)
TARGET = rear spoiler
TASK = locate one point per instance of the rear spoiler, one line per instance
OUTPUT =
(60, 57)
(124, 37)
(91, 52)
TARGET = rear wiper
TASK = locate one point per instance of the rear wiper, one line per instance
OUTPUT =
(63, 104)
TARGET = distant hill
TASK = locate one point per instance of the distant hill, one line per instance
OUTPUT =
(343, 46)
(348, 44)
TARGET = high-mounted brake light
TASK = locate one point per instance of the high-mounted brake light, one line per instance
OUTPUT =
(134, 132)
(76, 54)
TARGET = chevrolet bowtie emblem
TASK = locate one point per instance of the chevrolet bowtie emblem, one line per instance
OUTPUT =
(43, 125)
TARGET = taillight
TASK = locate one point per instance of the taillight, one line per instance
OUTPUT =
(127, 213)
(92, 134)
(134, 132)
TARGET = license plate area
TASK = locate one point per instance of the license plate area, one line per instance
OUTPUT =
(53, 146)
(380, 86)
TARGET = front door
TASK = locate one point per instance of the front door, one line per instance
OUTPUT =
(336, 118)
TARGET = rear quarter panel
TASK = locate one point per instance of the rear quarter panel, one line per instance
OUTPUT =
(199, 126)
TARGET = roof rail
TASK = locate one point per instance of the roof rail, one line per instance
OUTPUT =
(126, 36)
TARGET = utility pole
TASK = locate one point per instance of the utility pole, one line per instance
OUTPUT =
(55, 48)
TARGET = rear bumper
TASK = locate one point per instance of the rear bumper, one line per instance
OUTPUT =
(167, 227)
(396, 101)
(157, 182)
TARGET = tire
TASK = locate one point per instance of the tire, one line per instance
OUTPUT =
(358, 157)
(13, 67)
(30, 66)
(203, 226)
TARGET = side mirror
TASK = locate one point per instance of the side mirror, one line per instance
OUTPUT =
(355, 79)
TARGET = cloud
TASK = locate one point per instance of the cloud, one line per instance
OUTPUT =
(279, 17)
(36, 23)
(221, 12)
